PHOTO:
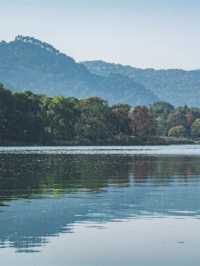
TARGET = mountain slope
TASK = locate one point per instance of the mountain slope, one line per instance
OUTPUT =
(29, 64)
(178, 87)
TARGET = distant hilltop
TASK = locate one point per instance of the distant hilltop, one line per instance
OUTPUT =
(43, 45)
(177, 86)
(30, 64)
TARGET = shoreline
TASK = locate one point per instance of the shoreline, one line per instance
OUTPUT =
(154, 141)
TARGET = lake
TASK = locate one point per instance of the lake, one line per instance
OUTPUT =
(100, 206)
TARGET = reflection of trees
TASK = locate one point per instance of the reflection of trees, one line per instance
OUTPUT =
(24, 176)
(142, 168)
(163, 170)
(27, 174)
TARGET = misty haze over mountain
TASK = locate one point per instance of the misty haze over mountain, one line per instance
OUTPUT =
(29, 64)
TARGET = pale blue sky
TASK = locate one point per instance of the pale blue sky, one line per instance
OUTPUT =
(142, 33)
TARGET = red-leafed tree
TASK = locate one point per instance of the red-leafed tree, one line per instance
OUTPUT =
(142, 122)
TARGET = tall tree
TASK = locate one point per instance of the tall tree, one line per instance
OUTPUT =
(93, 125)
(142, 122)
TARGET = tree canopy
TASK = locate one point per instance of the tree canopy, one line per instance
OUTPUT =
(27, 118)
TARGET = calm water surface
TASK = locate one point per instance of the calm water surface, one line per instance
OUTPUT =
(107, 206)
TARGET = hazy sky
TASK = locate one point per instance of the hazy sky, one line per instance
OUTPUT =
(142, 33)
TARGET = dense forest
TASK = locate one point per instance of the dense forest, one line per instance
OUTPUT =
(29, 119)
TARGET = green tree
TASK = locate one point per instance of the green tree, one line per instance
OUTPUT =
(6, 114)
(160, 111)
(161, 108)
(176, 118)
(28, 124)
(120, 121)
(177, 131)
(196, 128)
(93, 125)
(60, 115)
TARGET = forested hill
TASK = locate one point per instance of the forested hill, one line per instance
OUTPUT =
(27, 63)
(176, 86)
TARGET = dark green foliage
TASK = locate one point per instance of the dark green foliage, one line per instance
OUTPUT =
(120, 120)
(27, 118)
(6, 114)
(28, 126)
(161, 111)
(161, 108)
(196, 129)
(94, 121)
(61, 114)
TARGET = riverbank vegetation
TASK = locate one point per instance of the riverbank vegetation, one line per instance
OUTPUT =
(30, 119)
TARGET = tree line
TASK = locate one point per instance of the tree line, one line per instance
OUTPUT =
(28, 118)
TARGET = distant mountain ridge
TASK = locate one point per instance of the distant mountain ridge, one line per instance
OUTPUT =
(179, 87)
(29, 64)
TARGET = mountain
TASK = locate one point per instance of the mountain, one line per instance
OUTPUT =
(179, 87)
(29, 64)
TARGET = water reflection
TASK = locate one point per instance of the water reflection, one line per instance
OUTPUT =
(45, 195)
